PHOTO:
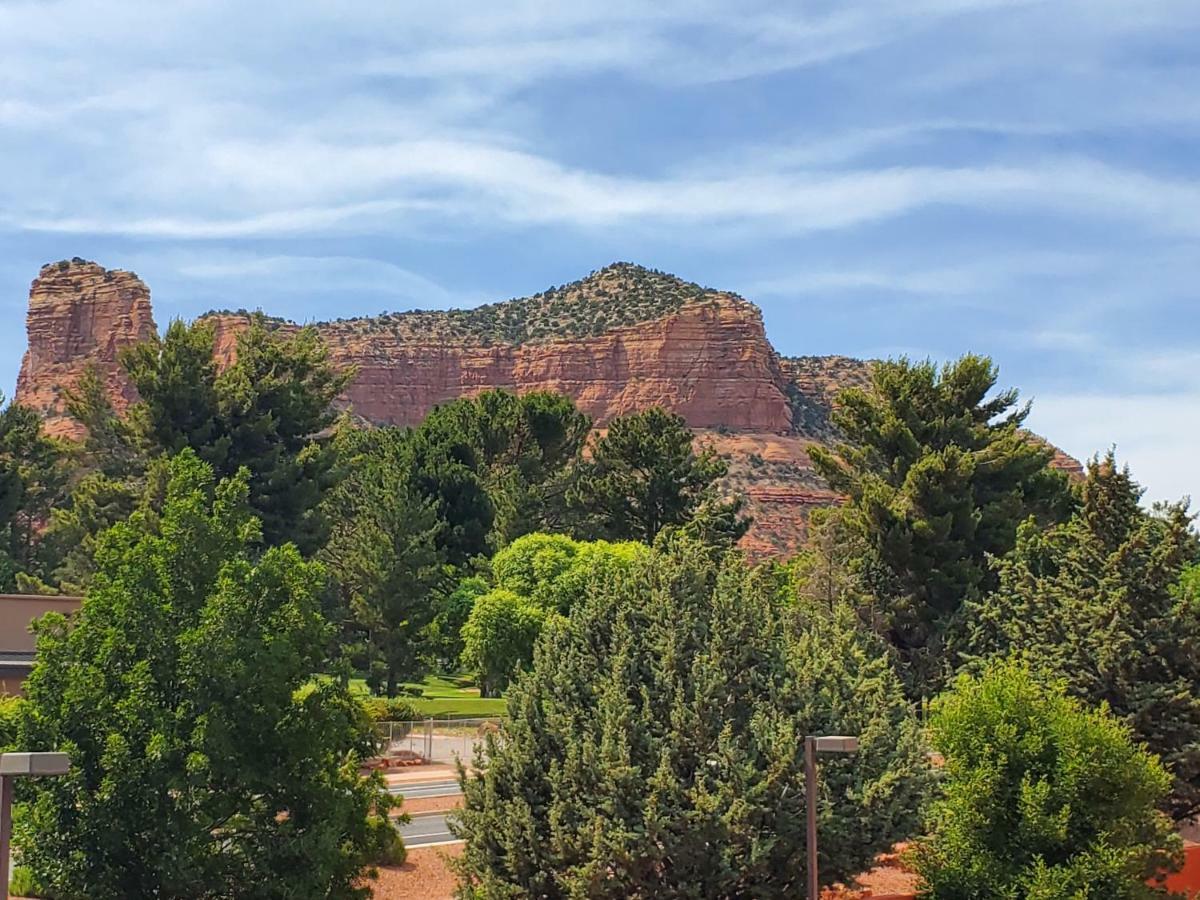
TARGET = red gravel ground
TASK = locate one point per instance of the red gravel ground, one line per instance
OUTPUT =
(424, 876)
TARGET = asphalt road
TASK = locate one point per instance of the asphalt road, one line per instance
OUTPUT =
(414, 790)
(426, 829)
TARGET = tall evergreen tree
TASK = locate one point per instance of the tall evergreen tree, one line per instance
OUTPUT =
(1102, 602)
(276, 407)
(108, 478)
(207, 762)
(522, 449)
(644, 475)
(32, 476)
(384, 553)
(938, 474)
(655, 748)
(176, 380)
(269, 410)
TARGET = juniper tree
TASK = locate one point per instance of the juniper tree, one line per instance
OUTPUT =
(1102, 602)
(655, 747)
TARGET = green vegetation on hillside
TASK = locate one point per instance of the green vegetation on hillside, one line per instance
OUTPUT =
(618, 295)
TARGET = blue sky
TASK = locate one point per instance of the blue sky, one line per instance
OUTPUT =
(899, 176)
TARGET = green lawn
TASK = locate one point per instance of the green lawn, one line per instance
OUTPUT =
(447, 697)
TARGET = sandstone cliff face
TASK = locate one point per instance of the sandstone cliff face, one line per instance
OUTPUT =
(619, 341)
(709, 361)
(80, 315)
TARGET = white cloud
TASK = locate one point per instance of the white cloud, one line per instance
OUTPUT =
(1156, 434)
(161, 120)
(291, 186)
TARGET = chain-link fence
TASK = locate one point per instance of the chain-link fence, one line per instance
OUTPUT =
(435, 740)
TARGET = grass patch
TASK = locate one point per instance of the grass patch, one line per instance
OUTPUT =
(446, 697)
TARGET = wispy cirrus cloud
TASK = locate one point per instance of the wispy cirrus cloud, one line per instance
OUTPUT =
(1017, 176)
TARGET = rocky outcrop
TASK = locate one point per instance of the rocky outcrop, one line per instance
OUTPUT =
(80, 316)
(623, 339)
(709, 361)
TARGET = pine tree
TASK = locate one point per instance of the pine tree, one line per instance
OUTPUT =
(655, 748)
(522, 449)
(644, 476)
(269, 410)
(32, 477)
(384, 553)
(938, 475)
(1101, 601)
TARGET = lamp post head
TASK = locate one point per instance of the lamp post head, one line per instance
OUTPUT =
(835, 743)
(34, 764)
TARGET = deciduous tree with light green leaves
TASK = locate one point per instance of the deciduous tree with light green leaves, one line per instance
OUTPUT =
(536, 576)
(655, 747)
(1042, 798)
(207, 761)
(1104, 602)
(938, 474)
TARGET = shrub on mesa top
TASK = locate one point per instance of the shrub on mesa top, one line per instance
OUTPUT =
(656, 747)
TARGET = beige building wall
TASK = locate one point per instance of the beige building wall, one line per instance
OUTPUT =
(17, 612)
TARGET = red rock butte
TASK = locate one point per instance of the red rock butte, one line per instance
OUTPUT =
(623, 339)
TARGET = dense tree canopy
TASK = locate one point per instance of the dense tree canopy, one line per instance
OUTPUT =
(206, 760)
(939, 474)
(644, 475)
(32, 474)
(1042, 799)
(1102, 602)
(385, 554)
(537, 576)
(655, 748)
(265, 411)
(521, 448)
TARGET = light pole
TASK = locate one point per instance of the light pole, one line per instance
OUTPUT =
(21, 765)
(813, 745)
